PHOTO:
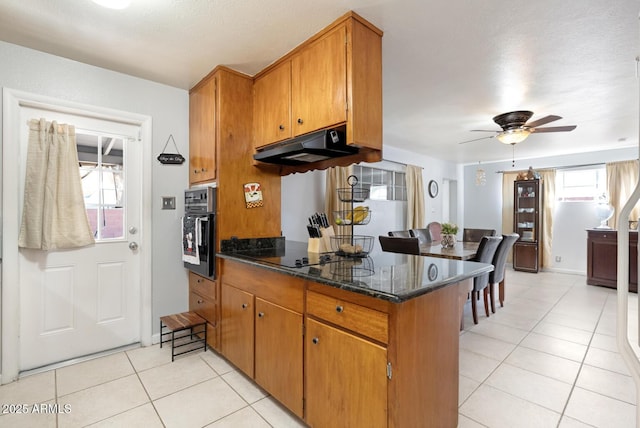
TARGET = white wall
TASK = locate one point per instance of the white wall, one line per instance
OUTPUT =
(39, 73)
(483, 204)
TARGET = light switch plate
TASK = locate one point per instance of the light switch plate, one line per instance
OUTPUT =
(168, 202)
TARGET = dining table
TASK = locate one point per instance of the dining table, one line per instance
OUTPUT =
(462, 250)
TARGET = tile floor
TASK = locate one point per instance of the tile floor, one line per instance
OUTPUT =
(548, 358)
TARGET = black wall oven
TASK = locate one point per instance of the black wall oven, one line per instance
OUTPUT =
(198, 231)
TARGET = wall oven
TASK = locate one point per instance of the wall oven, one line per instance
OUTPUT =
(198, 231)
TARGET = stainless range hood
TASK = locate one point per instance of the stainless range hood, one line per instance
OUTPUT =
(314, 147)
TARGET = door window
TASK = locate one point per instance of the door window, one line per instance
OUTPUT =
(101, 160)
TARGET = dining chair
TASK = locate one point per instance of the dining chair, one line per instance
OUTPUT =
(397, 244)
(474, 235)
(401, 233)
(423, 235)
(499, 267)
(486, 251)
(435, 229)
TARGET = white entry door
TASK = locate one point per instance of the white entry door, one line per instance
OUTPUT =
(81, 301)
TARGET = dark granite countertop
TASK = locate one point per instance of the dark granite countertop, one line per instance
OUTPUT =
(388, 276)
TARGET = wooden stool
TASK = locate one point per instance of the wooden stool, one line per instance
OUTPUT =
(175, 323)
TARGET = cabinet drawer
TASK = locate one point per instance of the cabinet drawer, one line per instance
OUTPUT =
(203, 286)
(354, 317)
(203, 307)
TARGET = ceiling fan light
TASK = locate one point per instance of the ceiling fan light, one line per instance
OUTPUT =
(513, 136)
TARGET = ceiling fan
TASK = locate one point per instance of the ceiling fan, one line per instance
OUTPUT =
(515, 128)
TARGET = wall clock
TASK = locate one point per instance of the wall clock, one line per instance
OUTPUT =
(433, 189)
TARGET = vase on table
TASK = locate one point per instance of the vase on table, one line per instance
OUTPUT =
(448, 240)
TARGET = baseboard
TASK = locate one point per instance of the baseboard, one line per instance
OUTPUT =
(567, 271)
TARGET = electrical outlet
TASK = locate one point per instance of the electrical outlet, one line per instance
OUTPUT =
(558, 259)
(168, 202)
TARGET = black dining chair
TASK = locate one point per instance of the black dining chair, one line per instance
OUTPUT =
(486, 251)
(423, 235)
(397, 244)
(400, 233)
(499, 267)
(474, 235)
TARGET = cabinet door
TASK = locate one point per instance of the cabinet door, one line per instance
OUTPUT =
(525, 257)
(202, 138)
(237, 328)
(272, 106)
(319, 84)
(278, 353)
(346, 379)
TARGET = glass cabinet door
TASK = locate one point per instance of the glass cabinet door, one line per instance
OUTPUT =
(526, 210)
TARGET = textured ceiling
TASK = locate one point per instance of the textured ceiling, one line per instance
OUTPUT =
(448, 66)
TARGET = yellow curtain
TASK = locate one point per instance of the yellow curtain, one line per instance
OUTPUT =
(336, 178)
(507, 201)
(548, 206)
(621, 180)
(415, 198)
(53, 214)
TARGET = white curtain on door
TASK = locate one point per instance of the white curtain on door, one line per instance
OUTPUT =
(54, 214)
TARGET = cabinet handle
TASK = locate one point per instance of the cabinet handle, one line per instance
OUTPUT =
(260, 314)
(315, 340)
(281, 127)
(203, 169)
(245, 306)
(300, 121)
(339, 309)
(200, 301)
(195, 171)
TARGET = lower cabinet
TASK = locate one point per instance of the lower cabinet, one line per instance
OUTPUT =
(346, 378)
(367, 362)
(526, 256)
(203, 301)
(602, 258)
(262, 330)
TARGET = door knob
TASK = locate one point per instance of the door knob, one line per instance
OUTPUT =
(133, 246)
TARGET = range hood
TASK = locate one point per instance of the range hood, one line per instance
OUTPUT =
(314, 147)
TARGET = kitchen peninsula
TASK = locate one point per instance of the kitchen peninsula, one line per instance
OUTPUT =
(342, 341)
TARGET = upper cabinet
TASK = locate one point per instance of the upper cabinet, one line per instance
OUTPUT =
(319, 84)
(333, 79)
(202, 148)
(272, 106)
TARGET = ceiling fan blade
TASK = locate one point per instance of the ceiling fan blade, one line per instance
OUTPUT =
(543, 120)
(477, 139)
(484, 130)
(555, 129)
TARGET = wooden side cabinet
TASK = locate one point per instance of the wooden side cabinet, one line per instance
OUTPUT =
(202, 140)
(602, 258)
(527, 222)
(203, 300)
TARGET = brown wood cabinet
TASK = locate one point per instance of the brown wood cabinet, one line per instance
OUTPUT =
(203, 300)
(220, 118)
(527, 222)
(272, 106)
(333, 79)
(367, 361)
(602, 258)
(262, 329)
(202, 148)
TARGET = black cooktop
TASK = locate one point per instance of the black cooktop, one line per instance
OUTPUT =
(293, 255)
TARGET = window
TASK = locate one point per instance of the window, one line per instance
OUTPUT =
(581, 184)
(383, 185)
(101, 171)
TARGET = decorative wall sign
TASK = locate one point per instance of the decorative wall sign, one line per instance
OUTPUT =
(253, 195)
(170, 158)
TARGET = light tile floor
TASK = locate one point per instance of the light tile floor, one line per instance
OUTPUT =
(548, 358)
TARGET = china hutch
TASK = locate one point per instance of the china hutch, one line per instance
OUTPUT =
(527, 222)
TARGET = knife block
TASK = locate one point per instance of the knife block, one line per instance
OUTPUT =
(323, 244)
